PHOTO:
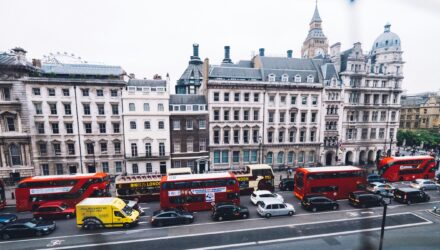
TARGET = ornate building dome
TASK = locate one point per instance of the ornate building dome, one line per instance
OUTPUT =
(386, 41)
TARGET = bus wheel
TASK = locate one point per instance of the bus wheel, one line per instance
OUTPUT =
(268, 215)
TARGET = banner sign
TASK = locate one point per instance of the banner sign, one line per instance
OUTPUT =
(50, 190)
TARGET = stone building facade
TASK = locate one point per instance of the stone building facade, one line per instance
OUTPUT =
(15, 139)
(189, 132)
(420, 111)
(146, 126)
(75, 116)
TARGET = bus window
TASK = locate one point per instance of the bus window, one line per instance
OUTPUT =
(323, 189)
(299, 180)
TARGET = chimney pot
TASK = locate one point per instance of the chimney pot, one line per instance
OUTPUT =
(289, 53)
(227, 58)
(261, 51)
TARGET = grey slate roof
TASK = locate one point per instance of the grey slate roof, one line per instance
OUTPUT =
(81, 69)
(415, 100)
(192, 72)
(286, 63)
(235, 72)
(12, 60)
(147, 83)
(329, 71)
(187, 99)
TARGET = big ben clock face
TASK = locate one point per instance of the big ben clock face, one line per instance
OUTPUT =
(319, 51)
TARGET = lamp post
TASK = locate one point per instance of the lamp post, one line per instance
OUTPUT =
(386, 200)
(391, 146)
(260, 160)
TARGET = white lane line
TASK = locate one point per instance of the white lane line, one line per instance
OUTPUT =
(219, 222)
(248, 229)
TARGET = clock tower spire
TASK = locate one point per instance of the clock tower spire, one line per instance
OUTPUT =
(316, 43)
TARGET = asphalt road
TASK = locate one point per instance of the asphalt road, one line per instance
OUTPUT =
(347, 228)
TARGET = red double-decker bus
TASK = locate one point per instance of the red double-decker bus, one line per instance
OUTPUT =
(2, 195)
(407, 168)
(197, 192)
(70, 189)
(334, 182)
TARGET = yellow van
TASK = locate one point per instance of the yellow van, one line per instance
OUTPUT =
(105, 212)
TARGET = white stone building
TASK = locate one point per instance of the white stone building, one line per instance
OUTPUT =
(146, 126)
(75, 116)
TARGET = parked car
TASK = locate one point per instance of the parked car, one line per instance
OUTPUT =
(169, 217)
(423, 184)
(410, 195)
(287, 184)
(437, 178)
(274, 207)
(263, 195)
(375, 178)
(7, 218)
(54, 210)
(27, 227)
(315, 203)
(377, 187)
(364, 199)
(228, 210)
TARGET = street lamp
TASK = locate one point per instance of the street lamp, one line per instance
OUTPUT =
(94, 161)
(260, 149)
(386, 200)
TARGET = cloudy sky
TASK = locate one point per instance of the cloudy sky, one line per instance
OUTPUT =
(149, 37)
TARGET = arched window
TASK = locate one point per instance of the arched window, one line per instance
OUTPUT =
(269, 158)
(15, 153)
(301, 157)
(312, 156)
(291, 157)
(280, 158)
(297, 78)
(285, 78)
(271, 78)
(310, 78)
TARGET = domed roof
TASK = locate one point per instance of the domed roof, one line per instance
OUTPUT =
(387, 39)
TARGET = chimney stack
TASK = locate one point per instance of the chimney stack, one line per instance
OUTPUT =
(227, 58)
(195, 50)
(36, 63)
(261, 51)
(289, 53)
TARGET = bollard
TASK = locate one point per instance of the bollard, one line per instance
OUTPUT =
(12, 195)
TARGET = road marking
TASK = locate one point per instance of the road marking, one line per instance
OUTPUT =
(210, 223)
(55, 243)
(252, 229)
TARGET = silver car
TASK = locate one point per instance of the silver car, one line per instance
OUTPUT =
(424, 184)
(274, 207)
(378, 187)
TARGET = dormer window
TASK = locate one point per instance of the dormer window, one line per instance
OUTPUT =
(297, 78)
(145, 89)
(310, 78)
(131, 89)
(271, 78)
(285, 78)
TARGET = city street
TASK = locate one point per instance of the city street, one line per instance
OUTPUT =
(346, 228)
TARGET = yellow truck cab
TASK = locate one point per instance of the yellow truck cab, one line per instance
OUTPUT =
(105, 212)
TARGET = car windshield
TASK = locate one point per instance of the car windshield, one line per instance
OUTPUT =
(127, 210)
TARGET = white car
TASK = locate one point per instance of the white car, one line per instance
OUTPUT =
(378, 187)
(275, 208)
(423, 184)
(264, 195)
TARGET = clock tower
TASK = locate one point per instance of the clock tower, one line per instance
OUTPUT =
(316, 43)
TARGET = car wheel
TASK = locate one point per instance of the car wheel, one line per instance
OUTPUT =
(408, 202)
(159, 223)
(38, 233)
(68, 216)
(291, 213)
(336, 207)
(244, 216)
(428, 198)
(40, 218)
(363, 206)
(268, 216)
(6, 236)
(423, 189)
(220, 218)
(314, 209)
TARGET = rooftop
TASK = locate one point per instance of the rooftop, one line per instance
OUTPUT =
(187, 99)
(147, 83)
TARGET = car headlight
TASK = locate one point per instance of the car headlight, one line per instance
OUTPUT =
(45, 229)
(7, 221)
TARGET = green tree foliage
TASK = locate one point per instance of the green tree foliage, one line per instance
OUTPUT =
(430, 139)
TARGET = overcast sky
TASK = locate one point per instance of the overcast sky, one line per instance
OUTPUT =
(149, 37)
